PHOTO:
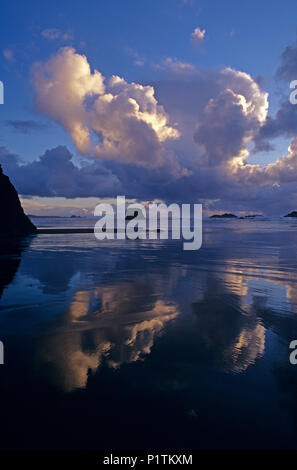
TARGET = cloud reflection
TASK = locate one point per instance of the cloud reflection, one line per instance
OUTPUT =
(110, 334)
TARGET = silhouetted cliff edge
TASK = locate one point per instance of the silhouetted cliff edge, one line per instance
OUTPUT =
(13, 221)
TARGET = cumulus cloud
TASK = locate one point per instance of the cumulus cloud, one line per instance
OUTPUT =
(110, 119)
(284, 123)
(54, 174)
(229, 121)
(198, 35)
(288, 67)
(219, 114)
(196, 150)
(284, 170)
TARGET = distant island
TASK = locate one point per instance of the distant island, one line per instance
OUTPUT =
(233, 216)
(132, 214)
(291, 214)
(223, 216)
(44, 216)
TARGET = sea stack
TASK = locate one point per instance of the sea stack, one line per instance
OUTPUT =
(292, 214)
(14, 221)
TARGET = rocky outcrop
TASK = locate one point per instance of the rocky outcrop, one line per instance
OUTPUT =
(131, 214)
(292, 214)
(14, 222)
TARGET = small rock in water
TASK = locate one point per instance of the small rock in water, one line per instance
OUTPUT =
(292, 214)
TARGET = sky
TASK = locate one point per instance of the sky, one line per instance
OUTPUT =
(175, 100)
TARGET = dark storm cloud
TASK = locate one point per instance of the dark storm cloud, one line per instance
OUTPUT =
(284, 123)
(288, 67)
(54, 174)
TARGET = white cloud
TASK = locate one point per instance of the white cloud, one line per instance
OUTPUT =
(110, 119)
(231, 120)
(198, 35)
(175, 65)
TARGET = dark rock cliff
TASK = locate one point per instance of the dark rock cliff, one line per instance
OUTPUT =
(13, 221)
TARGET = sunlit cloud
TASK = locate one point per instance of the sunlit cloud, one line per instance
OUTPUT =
(198, 35)
(110, 119)
(192, 130)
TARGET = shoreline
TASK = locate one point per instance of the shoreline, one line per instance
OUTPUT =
(49, 230)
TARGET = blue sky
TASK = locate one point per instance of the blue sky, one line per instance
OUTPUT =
(132, 39)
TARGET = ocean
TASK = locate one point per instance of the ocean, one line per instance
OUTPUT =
(138, 344)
